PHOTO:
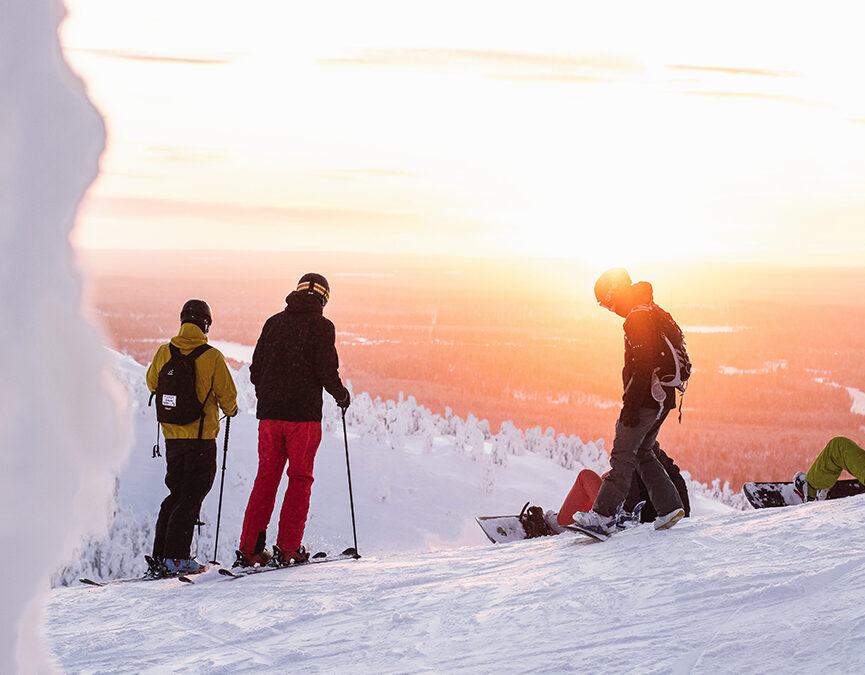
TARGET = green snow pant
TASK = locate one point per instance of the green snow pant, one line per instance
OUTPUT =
(840, 454)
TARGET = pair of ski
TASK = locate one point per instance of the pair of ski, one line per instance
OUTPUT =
(320, 557)
(150, 575)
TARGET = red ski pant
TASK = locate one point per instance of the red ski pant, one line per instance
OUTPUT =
(278, 442)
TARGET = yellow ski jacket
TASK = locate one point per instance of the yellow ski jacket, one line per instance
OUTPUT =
(212, 379)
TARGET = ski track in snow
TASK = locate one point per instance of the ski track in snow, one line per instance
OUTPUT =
(751, 591)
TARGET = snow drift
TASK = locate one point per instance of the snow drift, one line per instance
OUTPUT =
(59, 429)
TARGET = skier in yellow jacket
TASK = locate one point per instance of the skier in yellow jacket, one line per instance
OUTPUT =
(190, 449)
(840, 454)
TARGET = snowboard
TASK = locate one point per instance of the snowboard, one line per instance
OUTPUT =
(532, 522)
(502, 529)
(771, 495)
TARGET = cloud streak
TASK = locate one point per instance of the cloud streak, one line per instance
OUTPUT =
(753, 95)
(583, 68)
(726, 70)
(331, 219)
(157, 58)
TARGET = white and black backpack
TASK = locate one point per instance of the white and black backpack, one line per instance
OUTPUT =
(674, 368)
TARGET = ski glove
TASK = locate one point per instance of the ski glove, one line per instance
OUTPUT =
(630, 417)
(345, 401)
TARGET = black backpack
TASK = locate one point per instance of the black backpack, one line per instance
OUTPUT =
(176, 399)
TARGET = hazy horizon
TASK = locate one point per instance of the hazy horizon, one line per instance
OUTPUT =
(774, 353)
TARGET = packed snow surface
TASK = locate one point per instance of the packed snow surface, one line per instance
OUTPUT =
(725, 590)
(759, 591)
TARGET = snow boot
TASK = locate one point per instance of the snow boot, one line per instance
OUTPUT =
(667, 521)
(628, 519)
(252, 559)
(182, 565)
(803, 489)
(594, 521)
(552, 520)
(281, 559)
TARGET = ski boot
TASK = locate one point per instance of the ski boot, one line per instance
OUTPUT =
(252, 559)
(155, 568)
(182, 566)
(282, 559)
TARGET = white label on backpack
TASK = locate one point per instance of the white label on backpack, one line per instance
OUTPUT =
(169, 401)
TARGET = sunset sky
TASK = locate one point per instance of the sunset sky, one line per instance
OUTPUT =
(610, 133)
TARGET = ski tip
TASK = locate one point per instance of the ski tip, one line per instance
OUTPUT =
(185, 580)
(90, 582)
(320, 554)
(228, 573)
(351, 551)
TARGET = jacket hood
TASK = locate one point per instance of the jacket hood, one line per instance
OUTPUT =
(642, 293)
(302, 302)
(189, 337)
(638, 294)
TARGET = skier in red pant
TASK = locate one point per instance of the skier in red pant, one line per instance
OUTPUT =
(294, 359)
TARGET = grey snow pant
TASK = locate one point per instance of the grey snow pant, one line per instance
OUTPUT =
(633, 451)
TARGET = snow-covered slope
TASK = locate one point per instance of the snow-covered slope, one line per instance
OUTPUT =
(744, 591)
(418, 479)
(726, 590)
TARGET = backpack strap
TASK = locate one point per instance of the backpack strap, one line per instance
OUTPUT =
(194, 354)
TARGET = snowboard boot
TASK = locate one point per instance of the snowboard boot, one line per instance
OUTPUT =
(805, 490)
(628, 519)
(534, 524)
(182, 565)
(594, 521)
(552, 520)
(252, 559)
(667, 521)
(281, 558)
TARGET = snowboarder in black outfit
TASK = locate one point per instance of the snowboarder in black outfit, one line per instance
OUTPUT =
(190, 448)
(642, 412)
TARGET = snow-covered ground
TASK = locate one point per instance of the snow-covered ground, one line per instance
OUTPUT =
(726, 590)
(741, 591)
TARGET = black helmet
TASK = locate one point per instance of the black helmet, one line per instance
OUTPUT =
(315, 284)
(197, 312)
(609, 283)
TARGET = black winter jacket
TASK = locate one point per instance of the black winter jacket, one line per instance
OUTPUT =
(643, 347)
(294, 358)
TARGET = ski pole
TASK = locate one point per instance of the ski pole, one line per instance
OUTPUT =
(350, 496)
(221, 485)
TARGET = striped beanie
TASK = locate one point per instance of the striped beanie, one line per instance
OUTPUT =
(315, 284)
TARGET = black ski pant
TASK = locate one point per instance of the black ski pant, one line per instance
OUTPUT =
(633, 451)
(189, 477)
